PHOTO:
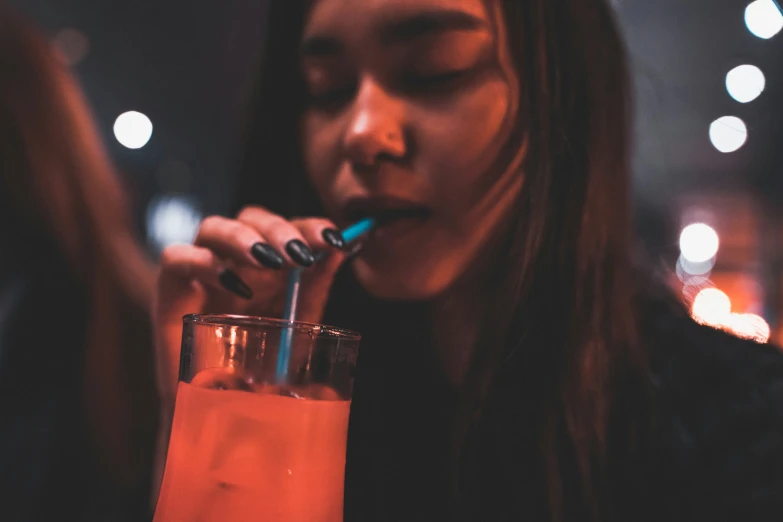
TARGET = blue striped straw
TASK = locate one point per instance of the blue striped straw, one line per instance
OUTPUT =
(350, 235)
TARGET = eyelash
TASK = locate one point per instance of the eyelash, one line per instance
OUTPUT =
(333, 100)
(434, 82)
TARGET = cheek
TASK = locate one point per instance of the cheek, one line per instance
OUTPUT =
(457, 145)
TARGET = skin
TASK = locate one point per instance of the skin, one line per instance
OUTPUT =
(414, 114)
(413, 99)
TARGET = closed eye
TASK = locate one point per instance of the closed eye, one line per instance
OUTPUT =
(428, 82)
(332, 99)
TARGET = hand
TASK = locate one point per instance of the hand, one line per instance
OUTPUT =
(240, 266)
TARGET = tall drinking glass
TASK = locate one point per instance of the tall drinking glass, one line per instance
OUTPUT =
(254, 438)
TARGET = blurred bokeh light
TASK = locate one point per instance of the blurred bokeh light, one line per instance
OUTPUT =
(763, 18)
(711, 307)
(172, 219)
(745, 83)
(133, 129)
(728, 133)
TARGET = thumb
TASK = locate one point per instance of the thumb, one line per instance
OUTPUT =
(175, 298)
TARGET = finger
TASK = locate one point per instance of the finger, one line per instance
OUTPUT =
(182, 263)
(237, 241)
(320, 233)
(185, 272)
(280, 234)
(177, 295)
(316, 285)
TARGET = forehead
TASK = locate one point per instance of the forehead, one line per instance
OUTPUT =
(362, 19)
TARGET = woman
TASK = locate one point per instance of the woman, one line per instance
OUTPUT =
(513, 365)
(79, 407)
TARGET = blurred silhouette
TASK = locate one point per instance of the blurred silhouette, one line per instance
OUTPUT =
(77, 396)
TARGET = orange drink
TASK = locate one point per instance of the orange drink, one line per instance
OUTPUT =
(256, 435)
(237, 455)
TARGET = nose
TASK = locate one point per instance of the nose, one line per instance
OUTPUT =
(376, 129)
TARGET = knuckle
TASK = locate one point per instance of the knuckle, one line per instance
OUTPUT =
(261, 220)
(310, 223)
(209, 224)
(282, 226)
(172, 255)
(251, 212)
(234, 228)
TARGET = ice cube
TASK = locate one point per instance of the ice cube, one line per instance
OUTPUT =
(249, 448)
(319, 392)
(283, 390)
(223, 379)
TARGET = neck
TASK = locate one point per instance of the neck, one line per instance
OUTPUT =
(456, 318)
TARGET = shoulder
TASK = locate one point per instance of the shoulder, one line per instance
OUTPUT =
(719, 406)
(709, 364)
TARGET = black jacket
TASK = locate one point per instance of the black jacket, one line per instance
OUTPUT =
(711, 448)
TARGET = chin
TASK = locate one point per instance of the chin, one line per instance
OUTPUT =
(399, 283)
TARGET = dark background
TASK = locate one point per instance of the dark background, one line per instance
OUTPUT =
(191, 66)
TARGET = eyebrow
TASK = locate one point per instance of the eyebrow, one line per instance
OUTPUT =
(403, 29)
(427, 23)
(319, 46)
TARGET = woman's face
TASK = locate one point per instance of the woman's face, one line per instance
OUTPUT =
(409, 104)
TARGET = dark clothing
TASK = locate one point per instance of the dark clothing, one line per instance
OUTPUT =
(711, 447)
(398, 450)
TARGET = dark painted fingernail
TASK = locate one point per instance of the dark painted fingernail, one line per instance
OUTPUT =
(234, 284)
(334, 238)
(300, 253)
(266, 255)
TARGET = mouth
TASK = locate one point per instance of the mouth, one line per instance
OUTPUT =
(385, 210)
(390, 213)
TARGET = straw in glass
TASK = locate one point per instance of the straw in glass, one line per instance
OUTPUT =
(350, 234)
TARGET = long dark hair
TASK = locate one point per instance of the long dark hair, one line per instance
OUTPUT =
(64, 201)
(563, 319)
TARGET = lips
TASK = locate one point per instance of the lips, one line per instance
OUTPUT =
(396, 219)
(385, 210)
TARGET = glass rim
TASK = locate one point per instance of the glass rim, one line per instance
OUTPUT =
(258, 321)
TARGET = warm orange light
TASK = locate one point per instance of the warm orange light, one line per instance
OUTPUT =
(748, 326)
(711, 307)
